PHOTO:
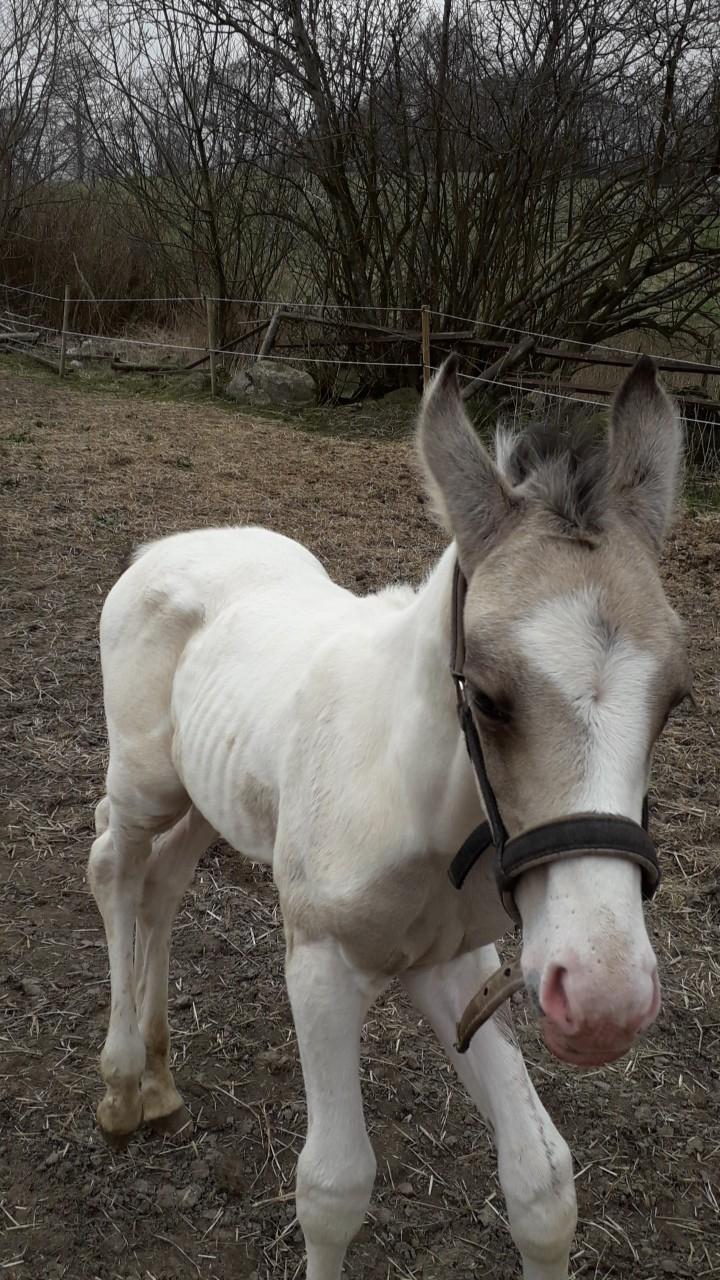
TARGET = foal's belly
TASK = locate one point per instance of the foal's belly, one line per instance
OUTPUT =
(285, 786)
(239, 804)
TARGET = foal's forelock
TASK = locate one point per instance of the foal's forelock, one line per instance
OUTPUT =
(561, 471)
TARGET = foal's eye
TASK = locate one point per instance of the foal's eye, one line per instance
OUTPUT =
(489, 708)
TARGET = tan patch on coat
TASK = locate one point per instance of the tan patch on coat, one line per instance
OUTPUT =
(533, 759)
(260, 803)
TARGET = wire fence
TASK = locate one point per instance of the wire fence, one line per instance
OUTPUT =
(319, 310)
(26, 331)
(188, 347)
(273, 304)
(323, 308)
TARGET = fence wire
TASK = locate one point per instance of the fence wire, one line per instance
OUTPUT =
(287, 304)
(304, 358)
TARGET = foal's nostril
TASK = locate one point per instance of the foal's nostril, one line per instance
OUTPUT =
(553, 996)
(577, 1004)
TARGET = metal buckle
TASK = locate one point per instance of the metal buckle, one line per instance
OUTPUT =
(463, 704)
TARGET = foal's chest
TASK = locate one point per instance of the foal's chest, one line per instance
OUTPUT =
(398, 917)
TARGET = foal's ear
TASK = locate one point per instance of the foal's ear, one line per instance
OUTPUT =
(646, 448)
(469, 496)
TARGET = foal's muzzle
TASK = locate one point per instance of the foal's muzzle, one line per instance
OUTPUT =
(599, 835)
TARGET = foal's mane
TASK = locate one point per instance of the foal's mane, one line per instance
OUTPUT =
(562, 468)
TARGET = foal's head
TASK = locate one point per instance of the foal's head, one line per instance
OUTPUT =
(575, 661)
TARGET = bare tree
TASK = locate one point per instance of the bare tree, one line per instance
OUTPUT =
(544, 164)
(180, 122)
(30, 155)
(485, 158)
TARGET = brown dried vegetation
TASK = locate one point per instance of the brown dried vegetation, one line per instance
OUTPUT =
(84, 476)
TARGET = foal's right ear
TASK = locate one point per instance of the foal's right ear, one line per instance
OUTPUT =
(470, 498)
(646, 448)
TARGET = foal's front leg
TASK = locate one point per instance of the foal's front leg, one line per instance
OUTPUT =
(534, 1162)
(336, 1169)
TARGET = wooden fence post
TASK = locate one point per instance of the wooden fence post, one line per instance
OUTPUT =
(210, 308)
(270, 333)
(426, 344)
(709, 353)
(509, 360)
(65, 325)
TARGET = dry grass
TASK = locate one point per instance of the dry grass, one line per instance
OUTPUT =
(84, 477)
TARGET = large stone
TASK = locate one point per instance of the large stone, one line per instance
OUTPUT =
(266, 383)
(196, 380)
(403, 397)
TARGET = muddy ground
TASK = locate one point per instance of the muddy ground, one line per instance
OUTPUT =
(85, 475)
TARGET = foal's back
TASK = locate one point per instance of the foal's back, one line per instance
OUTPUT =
(206, 641)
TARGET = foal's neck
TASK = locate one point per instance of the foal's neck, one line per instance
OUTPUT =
(432, 624)
(435, 759)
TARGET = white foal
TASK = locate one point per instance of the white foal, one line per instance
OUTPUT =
(247, 694)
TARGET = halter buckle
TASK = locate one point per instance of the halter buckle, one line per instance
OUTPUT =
(460, 691)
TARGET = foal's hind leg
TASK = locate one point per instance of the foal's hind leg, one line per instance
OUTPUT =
(102, 816)
(169, 871)
(115, 872)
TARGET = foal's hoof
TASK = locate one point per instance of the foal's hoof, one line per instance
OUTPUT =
(117, 1142)
(160, 1099)
(178, 1123)
(118, 1117)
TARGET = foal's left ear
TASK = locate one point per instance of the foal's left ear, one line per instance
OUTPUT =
(646, 449)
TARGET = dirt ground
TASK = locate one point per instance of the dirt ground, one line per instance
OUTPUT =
(84, 476)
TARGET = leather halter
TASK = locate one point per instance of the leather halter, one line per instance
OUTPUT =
(575, 836)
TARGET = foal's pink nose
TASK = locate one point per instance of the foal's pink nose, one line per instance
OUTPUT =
(588, 1022)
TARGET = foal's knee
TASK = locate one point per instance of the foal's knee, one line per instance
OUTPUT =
(101, 863)
(542, 1209)
(102, 815)
(116, 861)
(332, 1198)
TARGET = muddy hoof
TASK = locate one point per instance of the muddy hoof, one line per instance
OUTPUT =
(115, 1141)
(178, 1123)
(118, 1117)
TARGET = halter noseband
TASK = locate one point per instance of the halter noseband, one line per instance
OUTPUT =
(575, 836)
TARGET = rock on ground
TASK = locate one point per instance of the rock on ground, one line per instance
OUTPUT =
(267, 383)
